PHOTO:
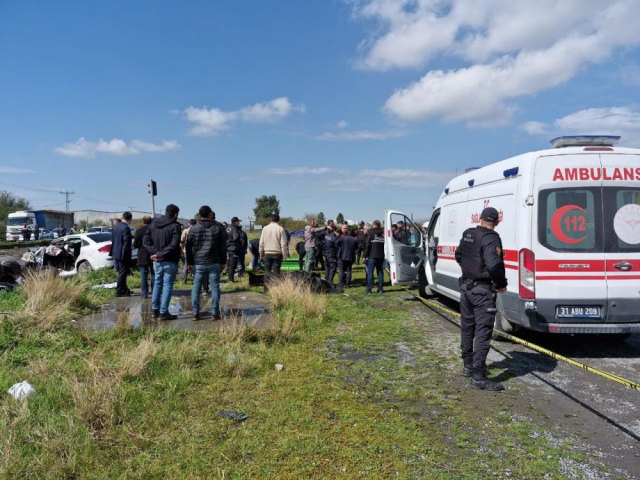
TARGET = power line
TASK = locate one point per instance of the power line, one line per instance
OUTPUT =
(66, 193)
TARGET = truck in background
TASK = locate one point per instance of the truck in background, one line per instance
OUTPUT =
(45, 219)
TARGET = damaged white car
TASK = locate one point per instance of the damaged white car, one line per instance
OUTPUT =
(77, 254)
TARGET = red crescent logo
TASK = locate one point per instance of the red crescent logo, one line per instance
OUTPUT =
(556, 228)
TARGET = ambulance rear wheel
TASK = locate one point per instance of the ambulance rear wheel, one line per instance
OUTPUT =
(503, 325)
(423, 285)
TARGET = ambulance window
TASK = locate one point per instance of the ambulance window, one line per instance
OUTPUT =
(435, 233)
(404, 231)
(569, 219)
(622, 219)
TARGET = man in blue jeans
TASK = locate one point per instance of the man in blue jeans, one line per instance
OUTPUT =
(374, 255)
(206, 258)
(162, 241)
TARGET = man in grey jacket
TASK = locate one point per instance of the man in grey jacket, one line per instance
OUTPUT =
(310, 233)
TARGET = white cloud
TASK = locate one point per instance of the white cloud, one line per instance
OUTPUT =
(304, 171)
(624, 121)
(212, 121)
(535, 128)
(13, 170)
(342, 124)
(360, 135)
(390, 179)
(85, 149)
(514, 49)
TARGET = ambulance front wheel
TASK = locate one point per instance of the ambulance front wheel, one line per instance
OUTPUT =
(423, 286)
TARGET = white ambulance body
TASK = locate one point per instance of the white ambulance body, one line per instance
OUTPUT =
(570, 228)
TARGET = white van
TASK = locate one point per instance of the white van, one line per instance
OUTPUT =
(570, 228)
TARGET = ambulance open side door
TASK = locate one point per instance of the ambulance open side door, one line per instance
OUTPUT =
(403, 248)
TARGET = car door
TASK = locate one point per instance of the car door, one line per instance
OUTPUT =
(404, 252)
(567, 240)
(621, 207)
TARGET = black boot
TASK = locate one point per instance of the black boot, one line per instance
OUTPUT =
(479, 381)
(467, 371)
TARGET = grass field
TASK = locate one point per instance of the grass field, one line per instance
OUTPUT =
(145, 404)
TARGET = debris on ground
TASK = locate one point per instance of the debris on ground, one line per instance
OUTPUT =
(105, 286)
(279, 367)
(21, 390)
(236, 416)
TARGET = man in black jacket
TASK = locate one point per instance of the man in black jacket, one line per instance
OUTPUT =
(330, 255)
(144, 262)
(121, 247)
(301, 254)
(162, 241)
(361, 235)
(236, 242)
(374, 255)
(347, 247)
(206, 257)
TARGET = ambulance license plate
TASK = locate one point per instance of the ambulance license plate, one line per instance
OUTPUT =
(578, 312)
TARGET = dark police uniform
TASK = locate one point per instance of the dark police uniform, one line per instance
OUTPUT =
(481, 257)
(235, 242)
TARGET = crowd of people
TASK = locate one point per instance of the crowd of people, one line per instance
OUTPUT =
(207, 247)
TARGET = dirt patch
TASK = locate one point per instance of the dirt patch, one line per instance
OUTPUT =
(538, 386)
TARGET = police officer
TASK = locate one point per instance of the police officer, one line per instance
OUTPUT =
(483, 274)
(330, 255)
(235, 242)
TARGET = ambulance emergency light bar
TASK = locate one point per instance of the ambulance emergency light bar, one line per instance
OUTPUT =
(585, 141)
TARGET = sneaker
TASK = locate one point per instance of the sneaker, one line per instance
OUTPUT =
(216, 316)
(368, 292)
(467, 372)
(156, 313)
(380, 291)
(205, 293)
(168, 316)
(479, 381)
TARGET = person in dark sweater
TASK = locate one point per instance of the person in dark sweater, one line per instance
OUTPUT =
(206, 257)
(330, 255)
(361, 235)
(254, 248)
(236, 242)
(162, 241)
(347, 248)
(302, 252)
(374, 255)
(144, 261)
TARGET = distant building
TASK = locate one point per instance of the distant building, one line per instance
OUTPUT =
(96, 216)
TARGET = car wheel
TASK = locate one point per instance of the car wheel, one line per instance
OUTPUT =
(84, 267)
(503, 325)
(423, 285)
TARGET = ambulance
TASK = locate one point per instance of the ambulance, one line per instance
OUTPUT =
(570, 228)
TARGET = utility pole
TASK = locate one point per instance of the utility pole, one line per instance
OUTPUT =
(153, 191)
(66, 197)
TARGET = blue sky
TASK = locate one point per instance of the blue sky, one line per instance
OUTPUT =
(332, 105)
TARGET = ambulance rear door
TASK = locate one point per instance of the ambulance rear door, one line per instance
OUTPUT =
(568, 241)
(621, 206)
(404, 251)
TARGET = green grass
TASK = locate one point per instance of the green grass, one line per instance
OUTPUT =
(343, 407)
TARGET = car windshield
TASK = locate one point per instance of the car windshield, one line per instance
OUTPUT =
(17, 222)
(99, 237)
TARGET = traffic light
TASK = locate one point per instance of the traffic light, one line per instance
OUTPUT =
(154, 188)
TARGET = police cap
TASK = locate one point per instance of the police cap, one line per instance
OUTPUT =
(490, 214)
(235, 219)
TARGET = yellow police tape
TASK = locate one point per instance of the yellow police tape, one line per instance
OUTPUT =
(537, 348)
